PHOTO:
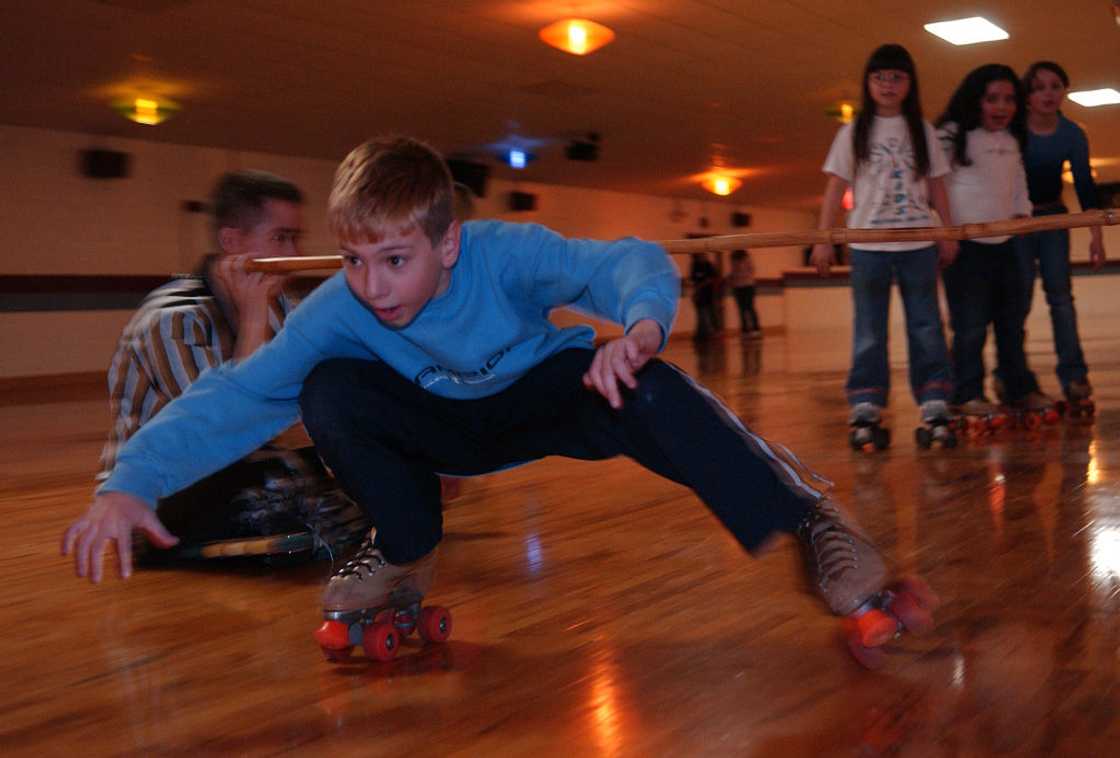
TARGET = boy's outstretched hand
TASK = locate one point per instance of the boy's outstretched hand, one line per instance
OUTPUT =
(619, 359)
(113, 516)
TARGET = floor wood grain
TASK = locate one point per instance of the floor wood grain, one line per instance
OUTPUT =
(602, 611)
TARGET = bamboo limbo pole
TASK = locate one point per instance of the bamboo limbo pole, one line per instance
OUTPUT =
(1108, 217)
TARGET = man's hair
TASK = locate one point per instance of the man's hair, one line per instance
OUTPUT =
(239, 196)
(391, 183)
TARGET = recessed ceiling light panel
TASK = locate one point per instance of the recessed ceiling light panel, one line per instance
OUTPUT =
(1094, 97)
(967, 31)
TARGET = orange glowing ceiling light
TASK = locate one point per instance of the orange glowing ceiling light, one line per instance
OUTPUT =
(843, 112)
(149, 111)
(721, 184)
(577, 36)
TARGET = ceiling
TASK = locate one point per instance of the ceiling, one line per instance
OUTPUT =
(686, 82)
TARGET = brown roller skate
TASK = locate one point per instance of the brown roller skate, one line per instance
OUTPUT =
(374, 603)
(1079, 401)
(849, 574)
(978, 417)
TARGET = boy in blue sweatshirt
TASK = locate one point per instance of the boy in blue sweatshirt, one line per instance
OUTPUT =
(432, 352)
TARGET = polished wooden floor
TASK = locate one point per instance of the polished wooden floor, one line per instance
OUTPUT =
(602, 611)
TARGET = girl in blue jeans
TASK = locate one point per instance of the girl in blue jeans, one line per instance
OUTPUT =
(890, 159)
(1052, 139)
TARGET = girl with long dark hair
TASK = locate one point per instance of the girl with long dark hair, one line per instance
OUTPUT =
(890, 159)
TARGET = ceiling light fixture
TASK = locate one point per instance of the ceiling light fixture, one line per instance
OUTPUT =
(1094, 97)
(149, 111)
(577, 36)
(967, 31)
(844, 112)
(721, 184)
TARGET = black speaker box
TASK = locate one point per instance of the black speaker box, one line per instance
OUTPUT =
(1108, 194)
(474, 175)
(104, 164)
(522, 201)
(740, 219)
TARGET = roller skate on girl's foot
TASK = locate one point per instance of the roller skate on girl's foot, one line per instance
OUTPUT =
(849, 574)
(936, 429)
(1036, 409)
(375, 604)
(864, 430)
(977, 417)
(1079, 400)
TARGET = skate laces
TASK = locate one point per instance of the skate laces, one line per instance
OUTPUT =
(365, 562)
(834, 549)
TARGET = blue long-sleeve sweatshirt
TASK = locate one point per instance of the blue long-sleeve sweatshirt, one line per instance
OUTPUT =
(484, 332)
(1043, 161)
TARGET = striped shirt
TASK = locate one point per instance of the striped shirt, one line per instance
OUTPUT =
(178, 332)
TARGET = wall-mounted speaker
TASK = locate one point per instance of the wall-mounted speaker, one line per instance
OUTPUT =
(1108, 194)
(474, 175)
(739, 218)
(103, 164)
(522, 201)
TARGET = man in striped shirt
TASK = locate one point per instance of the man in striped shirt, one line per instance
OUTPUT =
(224, 313)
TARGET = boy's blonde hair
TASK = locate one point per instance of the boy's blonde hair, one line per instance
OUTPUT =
(390, 184)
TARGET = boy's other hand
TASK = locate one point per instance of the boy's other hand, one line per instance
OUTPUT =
(112, 516)
(823, 257)
(947, 251)
(621, 358)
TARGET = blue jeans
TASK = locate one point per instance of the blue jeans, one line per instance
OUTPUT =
(1049, 252)
(984, 286)
(916, 270)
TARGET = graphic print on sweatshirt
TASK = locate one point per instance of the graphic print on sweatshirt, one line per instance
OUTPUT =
(434, 374)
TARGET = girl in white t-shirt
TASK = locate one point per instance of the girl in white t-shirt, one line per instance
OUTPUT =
(890, 158)
(983, 133)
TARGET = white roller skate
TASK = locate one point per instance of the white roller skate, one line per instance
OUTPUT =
(864, 430)
(937, 427)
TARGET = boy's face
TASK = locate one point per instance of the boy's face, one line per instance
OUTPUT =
(276, 235)
(397, 276)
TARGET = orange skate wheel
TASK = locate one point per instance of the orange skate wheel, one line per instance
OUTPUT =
(912, 615)
(1051, 416)
(1032, 421)
(876, 628)
(380, 642)
(868, 657)
(435, 624)
(921, 591)
(977, 427)
(334, 638)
